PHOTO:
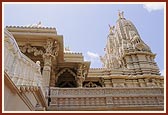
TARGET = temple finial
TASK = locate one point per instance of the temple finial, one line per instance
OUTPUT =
(120, 14)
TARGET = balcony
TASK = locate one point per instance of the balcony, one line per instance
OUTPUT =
(22, 76)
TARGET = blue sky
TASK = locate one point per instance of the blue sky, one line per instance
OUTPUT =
(85, 26)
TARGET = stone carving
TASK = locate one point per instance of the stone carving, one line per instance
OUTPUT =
(109, 100)
(84, 101)
(80, 81)
(111, 29)
(101, 81)
(81, 74)
(50, 53)
(47, 59)
(89, 97)
(38, 65)
(52, 47)
(103, 60)
(105, 91)
(29, 49)
(63, 70)
(55, 48)
(123, 45)
(124, 49)
(115, 63)
(48, 47)
(59, 78)
(90, 84)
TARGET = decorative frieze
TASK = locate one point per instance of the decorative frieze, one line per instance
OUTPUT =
(85, 101)
(110, 97)
(103, 91)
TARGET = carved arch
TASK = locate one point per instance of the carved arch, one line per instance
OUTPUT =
(66, 78)
(64, 70)
(90, 84)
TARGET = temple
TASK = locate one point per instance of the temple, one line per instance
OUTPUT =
(40, 74)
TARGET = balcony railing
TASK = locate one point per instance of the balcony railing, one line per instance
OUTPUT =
(21, 70)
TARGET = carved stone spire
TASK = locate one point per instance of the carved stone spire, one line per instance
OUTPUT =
(126, 49)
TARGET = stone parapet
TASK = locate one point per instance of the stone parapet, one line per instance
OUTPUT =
(21, 69)
(106, 98)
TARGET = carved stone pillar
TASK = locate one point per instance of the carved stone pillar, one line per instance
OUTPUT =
(53, 79)
(50, 53)
(47, 69)
(80, 80)
(81, 74)
(51, 48)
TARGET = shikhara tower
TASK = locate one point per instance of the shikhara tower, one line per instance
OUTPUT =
(126, 50)
(41, 75)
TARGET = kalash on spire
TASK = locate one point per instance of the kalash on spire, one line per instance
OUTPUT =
(126, 50)
(120, 14)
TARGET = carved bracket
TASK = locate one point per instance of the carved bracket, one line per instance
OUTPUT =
(52, 47)
(29, 49)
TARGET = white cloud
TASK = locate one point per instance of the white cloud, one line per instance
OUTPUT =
(162, 72)
(92, 55)
(94, 58)
(153, 7)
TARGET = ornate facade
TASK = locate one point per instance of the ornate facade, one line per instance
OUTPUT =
(41, 75)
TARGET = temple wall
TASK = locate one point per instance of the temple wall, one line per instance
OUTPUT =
(13, 102)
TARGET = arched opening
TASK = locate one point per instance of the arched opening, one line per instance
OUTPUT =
(66, 79)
